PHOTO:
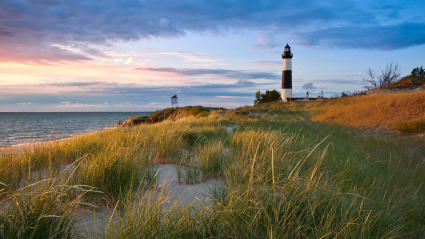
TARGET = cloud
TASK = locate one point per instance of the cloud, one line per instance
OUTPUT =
(372, 37)
(68, 106)
(104, 96)
(36, 53)
(110, 96)
(186, 56)
(74, 84)
(89, 92)
(30, 29)
(309, 86)
(233, 97)
(355, 74)
(268, 63)
(233, 74)
(341, 81)
(24, 103)
(190, 57)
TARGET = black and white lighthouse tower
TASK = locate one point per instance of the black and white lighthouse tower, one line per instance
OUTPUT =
(286, 93)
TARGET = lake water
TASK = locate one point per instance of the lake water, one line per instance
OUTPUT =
(20, 128)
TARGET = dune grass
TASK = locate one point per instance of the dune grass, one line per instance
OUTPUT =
(116, 173)
(414, 126)
(282, 176)
(212, 159)
(378, 110)
(43, 209)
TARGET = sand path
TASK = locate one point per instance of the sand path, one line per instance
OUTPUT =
(91, 223)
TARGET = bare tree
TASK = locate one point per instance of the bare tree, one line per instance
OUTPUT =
(388, 75)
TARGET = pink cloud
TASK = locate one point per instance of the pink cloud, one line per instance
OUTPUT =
(37, 54)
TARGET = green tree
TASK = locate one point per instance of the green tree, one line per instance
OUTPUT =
(418, 71)
(257, 97)
(269, 96)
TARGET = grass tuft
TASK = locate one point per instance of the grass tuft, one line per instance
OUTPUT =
(212, 159)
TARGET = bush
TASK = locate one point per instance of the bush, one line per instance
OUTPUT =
(418, 71)
(269, 96)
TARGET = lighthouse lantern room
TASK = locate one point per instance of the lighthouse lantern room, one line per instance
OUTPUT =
(174, 99)
(286, 93)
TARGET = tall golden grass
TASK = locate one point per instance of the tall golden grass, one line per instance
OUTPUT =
(378, 110)
(281, 175)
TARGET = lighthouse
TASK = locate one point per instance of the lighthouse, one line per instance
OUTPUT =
(286, 93)
(174, 99)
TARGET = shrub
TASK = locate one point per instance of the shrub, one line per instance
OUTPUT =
(269, 96)
(418, 71)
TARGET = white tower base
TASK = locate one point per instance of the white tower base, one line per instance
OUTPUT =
(286, 94)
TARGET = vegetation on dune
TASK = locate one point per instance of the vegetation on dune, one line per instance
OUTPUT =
(282, 176)
(115, 173)
(418, 71)
(212, 158)
(415, 126)
(408, 82)
(172, 114)
(132, 121)
(269, 96)
(389, 79)
(149, 217)
(391, 111)
(43, 209)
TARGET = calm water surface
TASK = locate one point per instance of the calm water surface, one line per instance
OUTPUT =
(20, 128)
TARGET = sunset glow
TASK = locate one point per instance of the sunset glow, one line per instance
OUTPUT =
(134, 55)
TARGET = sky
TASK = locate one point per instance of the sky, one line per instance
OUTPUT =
(128, 55)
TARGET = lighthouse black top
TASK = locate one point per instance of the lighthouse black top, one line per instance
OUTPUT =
(287, 52)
